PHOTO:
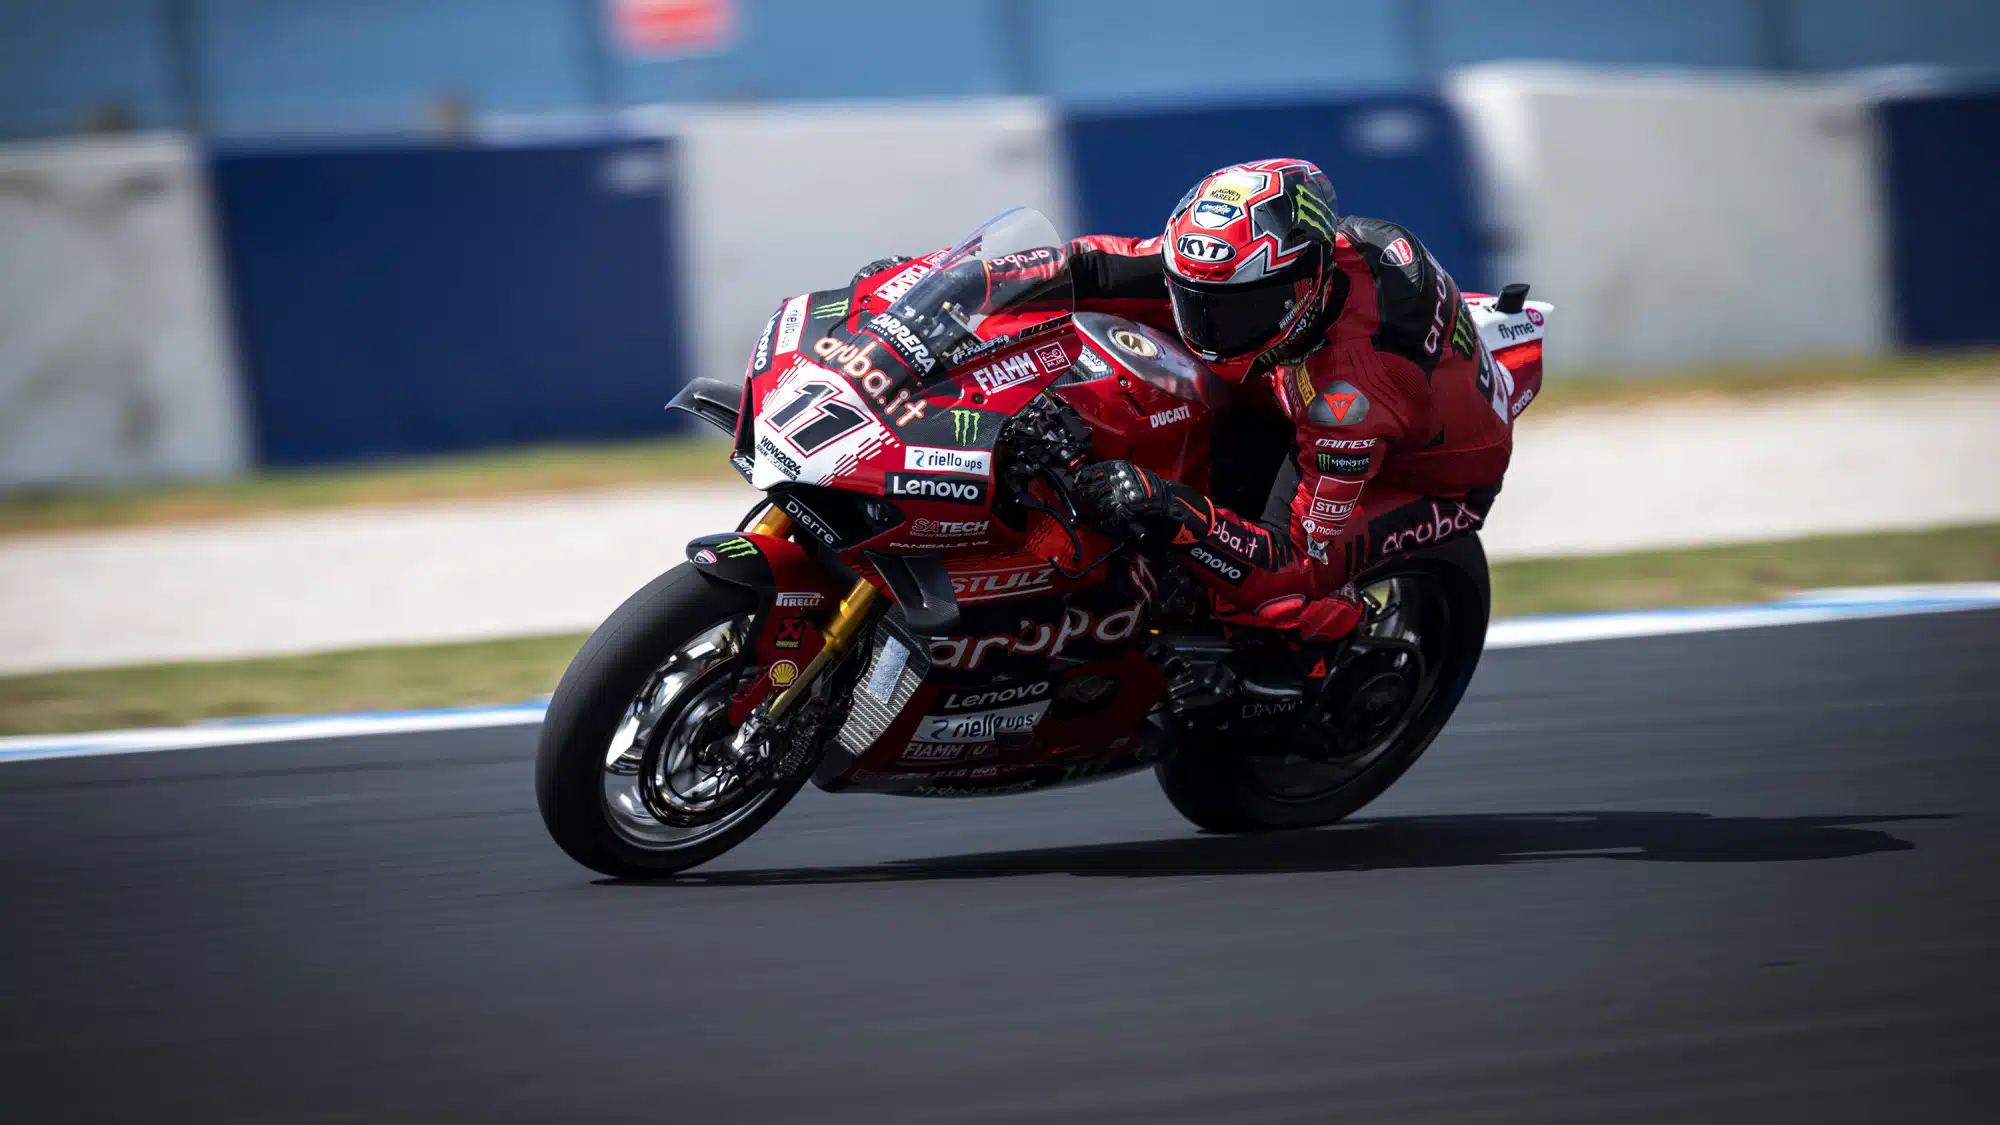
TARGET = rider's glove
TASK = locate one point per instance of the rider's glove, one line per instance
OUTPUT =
(1119, 496)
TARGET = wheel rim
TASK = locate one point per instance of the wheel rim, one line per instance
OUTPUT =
(1413, 608)
(671, 776)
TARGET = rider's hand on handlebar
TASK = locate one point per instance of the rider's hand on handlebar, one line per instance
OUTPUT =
(1124, 499)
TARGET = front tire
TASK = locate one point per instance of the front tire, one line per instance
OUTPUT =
(1221, 789)
(640, 711)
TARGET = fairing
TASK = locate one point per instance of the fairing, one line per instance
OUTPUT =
(876, 453)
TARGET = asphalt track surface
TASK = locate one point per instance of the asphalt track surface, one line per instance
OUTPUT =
(1734, 876)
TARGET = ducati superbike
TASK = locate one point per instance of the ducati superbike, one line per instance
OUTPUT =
(917, 609)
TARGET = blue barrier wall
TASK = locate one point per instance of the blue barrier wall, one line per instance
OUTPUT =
(265, 67)
(1397, 158)
(405, 301)
(1943, 181)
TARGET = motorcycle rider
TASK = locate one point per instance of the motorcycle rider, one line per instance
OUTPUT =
(1347, 333)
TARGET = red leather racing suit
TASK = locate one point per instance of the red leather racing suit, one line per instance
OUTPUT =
(1398, 441)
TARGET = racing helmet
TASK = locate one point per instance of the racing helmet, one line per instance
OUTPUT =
(1249, 263)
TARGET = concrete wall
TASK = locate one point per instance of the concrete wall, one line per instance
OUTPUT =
(114, 354)
(777, 202)
(1677, 222)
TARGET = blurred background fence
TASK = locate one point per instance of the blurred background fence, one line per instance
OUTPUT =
(241, 232)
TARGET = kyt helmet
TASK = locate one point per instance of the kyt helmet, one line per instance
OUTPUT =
(1249, 255)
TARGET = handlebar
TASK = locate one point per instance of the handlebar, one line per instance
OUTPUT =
(1049, 442)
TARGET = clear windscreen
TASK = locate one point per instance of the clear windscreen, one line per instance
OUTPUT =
(1007, 276)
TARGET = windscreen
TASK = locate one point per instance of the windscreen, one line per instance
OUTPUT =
(1004, 278)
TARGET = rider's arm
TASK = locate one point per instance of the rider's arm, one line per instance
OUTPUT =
(1121, 276)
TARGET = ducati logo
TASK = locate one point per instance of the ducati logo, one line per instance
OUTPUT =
(1204, 248)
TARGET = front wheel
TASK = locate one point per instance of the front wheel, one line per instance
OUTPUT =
(1435, 603)
(639, 772)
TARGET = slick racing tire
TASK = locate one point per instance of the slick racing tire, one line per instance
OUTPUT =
(644, 701)
(1443, 599)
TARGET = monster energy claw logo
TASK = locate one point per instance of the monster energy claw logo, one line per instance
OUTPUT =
(965, 426)
(1462, 340)
(736, 548)
(1311, 211)
(831, 311)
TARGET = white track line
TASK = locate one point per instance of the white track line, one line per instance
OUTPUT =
(1519, 632)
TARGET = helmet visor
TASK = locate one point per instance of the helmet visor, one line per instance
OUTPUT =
(1231, 320)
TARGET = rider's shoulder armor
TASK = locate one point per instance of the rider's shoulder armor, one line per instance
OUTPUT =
(1416, 299)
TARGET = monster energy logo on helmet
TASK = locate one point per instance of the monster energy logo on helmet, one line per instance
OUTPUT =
(1310, 210)
(831, 310)
(965, 426)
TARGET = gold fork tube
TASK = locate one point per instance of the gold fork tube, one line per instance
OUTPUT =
(839, 633)
(773, 523)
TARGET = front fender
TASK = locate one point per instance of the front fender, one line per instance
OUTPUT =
(761, 562)
(794, 593)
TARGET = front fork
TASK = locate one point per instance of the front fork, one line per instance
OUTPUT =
(839, 632)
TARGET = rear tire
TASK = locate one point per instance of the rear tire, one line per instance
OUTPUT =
(1220, 789)
(596, 701)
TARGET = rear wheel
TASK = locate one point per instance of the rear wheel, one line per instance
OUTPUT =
(639, 771)
(1414, 660)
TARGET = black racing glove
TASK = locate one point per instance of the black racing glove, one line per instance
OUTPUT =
(1121, 497)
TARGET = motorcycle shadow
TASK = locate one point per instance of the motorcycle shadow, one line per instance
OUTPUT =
(1373, 844)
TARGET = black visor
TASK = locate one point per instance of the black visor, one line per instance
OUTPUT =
(1230, 320)
(1227, 320)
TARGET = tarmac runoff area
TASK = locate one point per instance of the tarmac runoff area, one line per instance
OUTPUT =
(1691, 472)
(1739, 876)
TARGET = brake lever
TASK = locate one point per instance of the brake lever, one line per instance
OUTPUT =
(1064, 487)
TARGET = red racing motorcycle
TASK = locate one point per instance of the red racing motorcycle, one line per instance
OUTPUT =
(917, 608)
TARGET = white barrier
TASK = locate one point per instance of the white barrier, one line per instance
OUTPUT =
(1683, 219)
(775, 201)
(114, 355)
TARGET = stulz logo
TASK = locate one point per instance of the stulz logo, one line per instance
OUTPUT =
(1204, 248)
(950, 529)
(992, 585)
(1009, 372)
(1437, 529)
(996, 697)
(1217, 563)
(925, 486)
(1168, 417)
(1036, 639)
(907, 343)
(934, 459)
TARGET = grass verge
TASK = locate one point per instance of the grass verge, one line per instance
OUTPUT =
(480, 476)
(512, 670)
(555, 469)
(1612, 389)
